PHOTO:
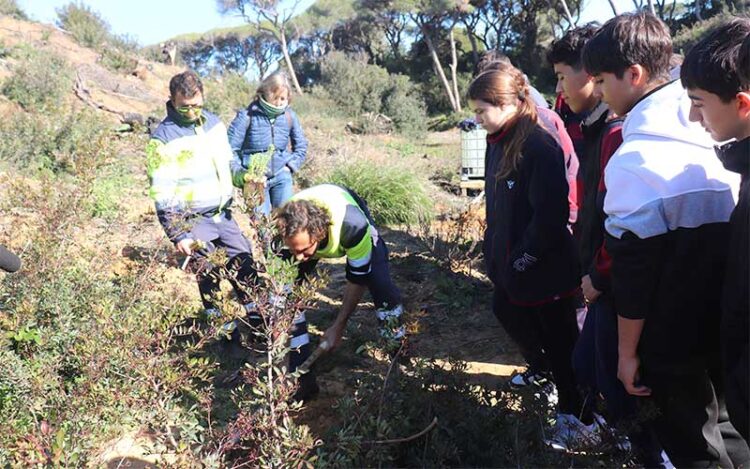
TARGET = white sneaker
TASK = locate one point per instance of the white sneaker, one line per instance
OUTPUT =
(569, 433)
(548, 391)
(527, 378)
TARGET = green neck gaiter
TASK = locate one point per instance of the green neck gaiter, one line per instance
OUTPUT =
(270, 110)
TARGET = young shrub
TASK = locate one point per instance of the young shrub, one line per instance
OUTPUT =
(86, 25)
(11, 8)
(394, 194)
(58, 141)
(40, 79)
(227, 94)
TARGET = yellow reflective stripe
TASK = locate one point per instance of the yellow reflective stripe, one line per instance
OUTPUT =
(360, 254)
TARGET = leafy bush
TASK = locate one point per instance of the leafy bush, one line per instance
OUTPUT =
(227, 94)
(405, 107)
(11, 8)
(40, 79)
(394, 195)
(359, 88)
(686, 37)
(86, 25)
(59, 141)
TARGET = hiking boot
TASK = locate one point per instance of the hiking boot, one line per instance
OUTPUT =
(307, 387)
(570, 434)
(528, 377)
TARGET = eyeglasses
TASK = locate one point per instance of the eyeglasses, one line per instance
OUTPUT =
(189, 107)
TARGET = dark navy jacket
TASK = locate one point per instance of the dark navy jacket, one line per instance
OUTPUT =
(529, 251)
(246, 142)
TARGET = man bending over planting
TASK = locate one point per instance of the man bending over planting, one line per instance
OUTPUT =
(330, 221)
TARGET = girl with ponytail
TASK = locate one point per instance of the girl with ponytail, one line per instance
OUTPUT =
(529, 251)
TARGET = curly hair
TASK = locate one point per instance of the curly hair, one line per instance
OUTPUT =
(296, 216)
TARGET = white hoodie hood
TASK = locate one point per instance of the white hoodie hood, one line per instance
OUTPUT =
(665, 175)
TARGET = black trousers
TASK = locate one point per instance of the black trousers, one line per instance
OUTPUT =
(736, 362)
(549, 330)
(691, 421)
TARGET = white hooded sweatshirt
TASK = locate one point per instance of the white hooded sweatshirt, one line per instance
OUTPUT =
(665, 175)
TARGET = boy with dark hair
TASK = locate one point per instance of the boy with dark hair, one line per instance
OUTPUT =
(668, 203)
(720, 102)
(567, 50)
(595, 355)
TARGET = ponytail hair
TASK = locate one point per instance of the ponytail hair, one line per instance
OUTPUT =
(502, 86)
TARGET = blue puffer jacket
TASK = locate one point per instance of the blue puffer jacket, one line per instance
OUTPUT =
(260, 135)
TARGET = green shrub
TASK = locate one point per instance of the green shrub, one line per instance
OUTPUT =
(360, 89)
(40, 79)
(106, 193)
(405, 107)
(86, 25)
(117, 60)
(227, 94)
(59, 141)
(686, 37)
(11, 8)
(394, 195)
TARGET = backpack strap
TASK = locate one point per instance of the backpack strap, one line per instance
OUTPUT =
(289, 122)
(247, 129)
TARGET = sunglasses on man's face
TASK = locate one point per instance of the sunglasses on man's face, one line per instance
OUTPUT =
(190, 107)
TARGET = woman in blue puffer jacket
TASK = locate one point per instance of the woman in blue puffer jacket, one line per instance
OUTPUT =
(268, 121)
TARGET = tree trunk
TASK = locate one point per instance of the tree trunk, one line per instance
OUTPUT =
(566, 10)
(698, 8)
(614, 8)
(438, 67)
(651, 7)
(474, 48)
(288, 61)
(454, 68)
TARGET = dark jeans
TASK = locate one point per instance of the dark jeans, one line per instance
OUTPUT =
(691, 421)
(595, 363)
(555, 328)
(222, 232)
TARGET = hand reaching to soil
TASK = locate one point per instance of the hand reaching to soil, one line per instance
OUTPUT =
(332, 336)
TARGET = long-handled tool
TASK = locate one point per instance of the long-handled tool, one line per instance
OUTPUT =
(322, 348)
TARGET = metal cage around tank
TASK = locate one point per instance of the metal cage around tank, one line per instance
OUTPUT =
(473, 146)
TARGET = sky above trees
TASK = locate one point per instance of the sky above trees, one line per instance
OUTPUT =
(151, 21)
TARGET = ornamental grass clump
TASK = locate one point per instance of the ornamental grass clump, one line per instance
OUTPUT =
(394, 194)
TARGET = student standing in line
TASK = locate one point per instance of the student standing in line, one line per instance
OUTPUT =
(720, 102)
(595, 356)
(668, 203)
(537, 372)
(530, 253)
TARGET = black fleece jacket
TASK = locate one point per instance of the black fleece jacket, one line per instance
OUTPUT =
(736, 293)
(528, 249)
